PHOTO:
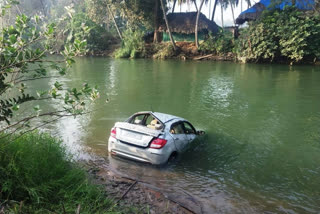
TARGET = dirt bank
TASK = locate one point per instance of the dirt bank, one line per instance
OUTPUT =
(128, 192)
(186, 51)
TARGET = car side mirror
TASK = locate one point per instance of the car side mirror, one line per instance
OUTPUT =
(200, 132)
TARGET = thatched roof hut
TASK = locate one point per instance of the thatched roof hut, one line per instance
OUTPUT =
(251, 14)
(256, 10)
(184, 23)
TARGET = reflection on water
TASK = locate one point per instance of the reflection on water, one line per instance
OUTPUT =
(261, 152)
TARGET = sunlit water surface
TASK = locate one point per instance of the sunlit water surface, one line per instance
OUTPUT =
(261, 152)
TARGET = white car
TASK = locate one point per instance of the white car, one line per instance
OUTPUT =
(151, 137)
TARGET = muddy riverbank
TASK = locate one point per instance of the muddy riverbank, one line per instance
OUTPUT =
(129, 192)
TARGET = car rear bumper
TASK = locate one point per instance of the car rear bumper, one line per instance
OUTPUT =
(146, 155)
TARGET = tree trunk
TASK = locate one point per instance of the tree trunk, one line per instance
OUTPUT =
(293, 2)
(241, 3)
(174, 5)
(195, 4)
(249, 3)
(156, 35)
(222, 17)
(197, 22)
(214, 9)
(209, 8)
(115, 23)
(168, 27)
(234, 21)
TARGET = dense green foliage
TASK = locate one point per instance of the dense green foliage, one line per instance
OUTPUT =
(132, 45)
(219, 44)
(81, 26)
(288, 35)
(75, 24)
(72, 21)
(38, 176)
(129, 14)
(23, 59)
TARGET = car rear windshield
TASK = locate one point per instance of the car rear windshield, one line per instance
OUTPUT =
(146, 120)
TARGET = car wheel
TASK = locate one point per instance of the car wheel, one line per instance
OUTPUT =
(173, 157)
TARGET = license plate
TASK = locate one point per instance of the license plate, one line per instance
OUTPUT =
(133, 135)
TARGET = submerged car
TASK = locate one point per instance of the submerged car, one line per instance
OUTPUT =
(151, 137)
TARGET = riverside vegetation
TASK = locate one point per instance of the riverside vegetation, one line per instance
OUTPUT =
(37, 175)
(36, 172)
(287, 35)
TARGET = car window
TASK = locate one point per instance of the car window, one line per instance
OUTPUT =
(188, 128)
(138, 119)
(177, 129)
(153, 123)
(149, 119)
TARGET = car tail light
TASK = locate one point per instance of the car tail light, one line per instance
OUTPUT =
(158, 143)
(114, 132)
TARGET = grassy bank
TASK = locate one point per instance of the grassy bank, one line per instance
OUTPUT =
(220, 47)
(38, 176)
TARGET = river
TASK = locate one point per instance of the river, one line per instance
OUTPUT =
(261, 152)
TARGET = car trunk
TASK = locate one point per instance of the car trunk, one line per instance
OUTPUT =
(135, 134)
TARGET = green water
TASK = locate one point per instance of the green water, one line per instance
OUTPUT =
(262, 148)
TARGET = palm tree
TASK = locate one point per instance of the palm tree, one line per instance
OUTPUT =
(214, 9)
(224, 5)
(221, 15)
(180, 2)
(249, 3)
(197, 23)
(232, 4)
(156, 35)
(234, 21)
(174, 4)
(195, 4)
(209, 8)
(168, 27)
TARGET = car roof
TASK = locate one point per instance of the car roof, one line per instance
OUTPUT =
(164, 118)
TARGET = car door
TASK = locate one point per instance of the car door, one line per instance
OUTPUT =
(179, 136)
(189, 131)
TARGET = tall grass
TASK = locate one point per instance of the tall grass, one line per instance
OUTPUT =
(38, 176)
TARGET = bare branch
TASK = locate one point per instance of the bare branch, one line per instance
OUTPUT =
(37, 59)
(36, 78)
(30, 130)
(30, 118)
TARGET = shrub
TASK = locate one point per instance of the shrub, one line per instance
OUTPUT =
(164, 50)
(132, 45)
(289, 34)
(220, 44)
(98, 38)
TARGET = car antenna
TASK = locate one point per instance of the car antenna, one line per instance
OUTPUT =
(151, 109)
